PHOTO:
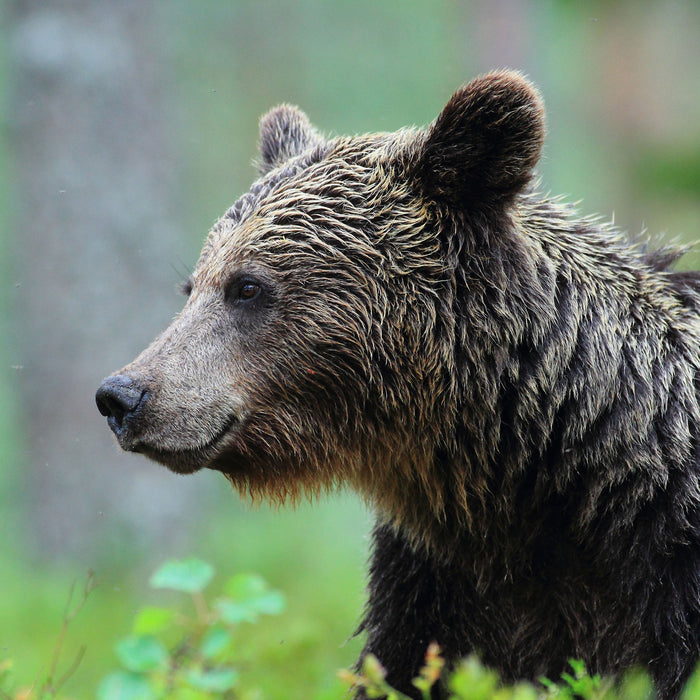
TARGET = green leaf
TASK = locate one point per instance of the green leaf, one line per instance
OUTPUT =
(245, 586)
(141, 653)
(578, 667)
(215, 681)
(215, 642)
(186, 692)
(249, 596)
(373, 670)
(188, 575)
(471, 680)
(270, 604)
(234, 613)
(521, 691)
(123, 685)
(152, 620)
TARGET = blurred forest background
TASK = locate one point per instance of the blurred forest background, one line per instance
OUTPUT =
(127, 128)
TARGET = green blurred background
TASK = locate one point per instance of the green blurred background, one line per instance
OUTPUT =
(127, 128)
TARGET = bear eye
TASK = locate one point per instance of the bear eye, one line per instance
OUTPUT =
(248, 291)
(243, 291)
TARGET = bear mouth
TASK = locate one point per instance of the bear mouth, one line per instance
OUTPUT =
(187, 460)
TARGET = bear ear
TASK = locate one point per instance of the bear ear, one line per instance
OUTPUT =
(482, 148)
(285, 132)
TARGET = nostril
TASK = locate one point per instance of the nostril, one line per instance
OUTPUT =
(118, 397)
(108, 406)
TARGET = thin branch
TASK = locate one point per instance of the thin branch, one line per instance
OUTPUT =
(201, 607)
(71, 669)
(68, 616)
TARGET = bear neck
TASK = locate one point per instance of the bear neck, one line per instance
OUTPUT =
(560, 332)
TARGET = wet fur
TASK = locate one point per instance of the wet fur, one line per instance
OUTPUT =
(511, 386)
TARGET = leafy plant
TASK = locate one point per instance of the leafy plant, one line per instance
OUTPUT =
(470, 680)
(191, 655)
(188, 657)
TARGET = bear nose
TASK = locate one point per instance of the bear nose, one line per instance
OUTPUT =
(119, 398)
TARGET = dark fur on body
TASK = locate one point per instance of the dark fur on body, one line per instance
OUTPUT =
(512, 387)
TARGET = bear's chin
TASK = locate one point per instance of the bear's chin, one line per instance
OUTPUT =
(184, 460)
(177, 462)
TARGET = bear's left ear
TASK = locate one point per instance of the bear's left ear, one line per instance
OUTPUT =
(482, 148)
(285, 132)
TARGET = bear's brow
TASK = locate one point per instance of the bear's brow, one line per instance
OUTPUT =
(245, 204)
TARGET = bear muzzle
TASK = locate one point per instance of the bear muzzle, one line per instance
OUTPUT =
(121, 400)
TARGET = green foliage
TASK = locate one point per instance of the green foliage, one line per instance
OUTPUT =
(188, 576)
(189, 656)
(470, 680)
(198, 654)
(294, 656)
(248, 597)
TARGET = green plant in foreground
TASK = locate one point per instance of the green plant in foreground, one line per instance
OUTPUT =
(373, 676)
(178, 656)
(471, 680)
(187, 657)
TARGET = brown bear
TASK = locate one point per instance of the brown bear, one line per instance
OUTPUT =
(513, 387)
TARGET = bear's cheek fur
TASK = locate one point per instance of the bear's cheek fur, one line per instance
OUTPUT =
(195, 393)
(238, 395)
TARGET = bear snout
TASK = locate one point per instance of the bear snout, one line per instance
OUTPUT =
(120, 399)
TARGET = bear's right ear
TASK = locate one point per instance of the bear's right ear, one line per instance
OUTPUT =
(285, 132)
(482, 148)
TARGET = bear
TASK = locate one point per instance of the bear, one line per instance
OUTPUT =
(511, 385)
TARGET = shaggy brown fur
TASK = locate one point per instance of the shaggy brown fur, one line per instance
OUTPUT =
(513, 388)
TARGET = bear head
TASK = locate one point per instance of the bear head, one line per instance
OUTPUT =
(319, 338)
